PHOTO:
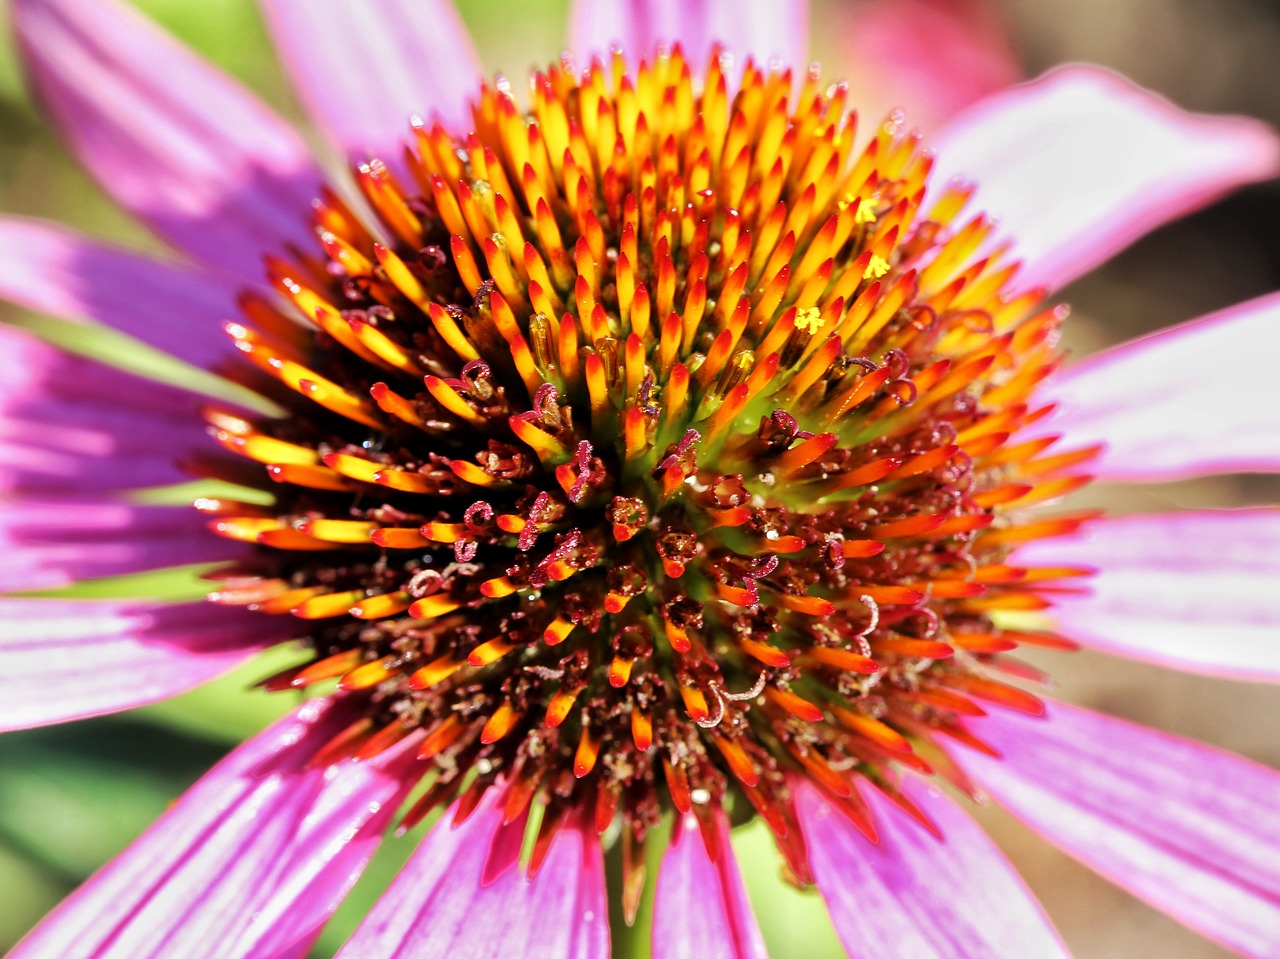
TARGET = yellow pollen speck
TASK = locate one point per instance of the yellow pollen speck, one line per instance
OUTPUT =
(809, 320)
(866, 214)
(877, 268)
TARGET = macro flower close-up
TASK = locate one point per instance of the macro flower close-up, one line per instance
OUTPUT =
(605, 460)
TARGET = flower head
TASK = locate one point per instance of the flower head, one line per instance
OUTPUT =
(669, 473)
(644, 451)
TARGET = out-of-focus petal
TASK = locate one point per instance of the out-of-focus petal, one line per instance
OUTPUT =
(172, 307)
(700, 908)
(171, 138)
(1080, 163)
(67, 659)
(68, 423)
(764, 29)
(363, 69)
(54, 542)
(438, 907)
(912, 895)
(1185, 827)
(930, 58)
(1191, 400)
(250, 862)
(1194, 590)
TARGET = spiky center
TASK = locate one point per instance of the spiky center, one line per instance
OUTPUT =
(654, 446)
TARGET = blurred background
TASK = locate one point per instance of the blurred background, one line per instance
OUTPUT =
(71, 797)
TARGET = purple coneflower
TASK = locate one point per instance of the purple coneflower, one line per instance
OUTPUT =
(645, 451)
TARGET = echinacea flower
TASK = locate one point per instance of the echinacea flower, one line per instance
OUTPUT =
(649, 451)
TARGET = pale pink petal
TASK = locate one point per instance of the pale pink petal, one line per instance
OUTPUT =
(363, 69)
(67, 659)
(700, 908)
(1191, 400)
(1080, 163)
(177, 309)
(438, 907)
(929, 58)
(52, 543)
(767, 30)
(72, 423)
(250, 863)
(1196, 590)
(171, 138)
(915, 896)
(1192, 830)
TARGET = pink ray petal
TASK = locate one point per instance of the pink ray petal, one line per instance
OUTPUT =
(763, 29)
(700, 908)
(363, 69)
(53, 270)
(1080, 163)
(171, 138)
(913, 895)
(438, 907)
(1191, 400)
(72, 423)
(1190, 829)
(1195, 590)
(67, 659)
(23, 466)
(931, 58)
(30, 366)
(250, 862)
(52, 543)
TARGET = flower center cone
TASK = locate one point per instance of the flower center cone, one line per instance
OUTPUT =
(647, 449)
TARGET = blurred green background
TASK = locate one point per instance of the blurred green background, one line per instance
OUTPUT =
(72, 796)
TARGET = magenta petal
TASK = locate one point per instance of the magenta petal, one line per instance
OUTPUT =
(177, 309)
(913, 895)
(931, 58)
(764, 29)
(700, 909)
(363, 69)
(174, 140)
(51, 543)
(1080, 163)
(1190, 829)
(1191, 400)
(438, 907)
(67, 659)
(249, 863)
(68, 423)
(1194, 590)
